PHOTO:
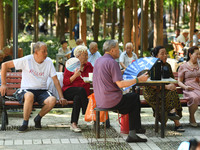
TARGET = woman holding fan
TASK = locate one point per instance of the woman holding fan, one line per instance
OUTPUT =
(74, 88)
(173, 109)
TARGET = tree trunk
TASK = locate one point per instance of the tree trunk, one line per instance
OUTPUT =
(73, 16)
(104, 20)
(1, 25)
(62, 22)
(109, 15)
(36, 25)
(51, 24)
(184, 11)
(170, 13)
(175, 14)
(135, 31)
(83, 25)
(96, 22)
(195, 12)
(114, 20)
(178, 13)
(57, 19)
(127, 22)
(145, 30)
(199, 12)
(152, 11)
(158, 23)
(192, 9)
(120, 24)
(7, 25)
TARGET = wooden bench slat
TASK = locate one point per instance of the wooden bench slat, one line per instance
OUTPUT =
(13, 80)
(13, 85)
(7, 103)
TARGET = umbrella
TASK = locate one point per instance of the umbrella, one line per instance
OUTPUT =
(138, 67)
(72, 64)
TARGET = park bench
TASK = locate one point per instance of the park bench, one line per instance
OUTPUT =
(13, 80)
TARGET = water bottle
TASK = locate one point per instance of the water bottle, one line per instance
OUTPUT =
(156, 71)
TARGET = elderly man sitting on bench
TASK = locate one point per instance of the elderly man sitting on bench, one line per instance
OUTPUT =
(36, 69)
(107, 84)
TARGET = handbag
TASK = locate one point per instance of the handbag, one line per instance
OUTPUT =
(90, 114)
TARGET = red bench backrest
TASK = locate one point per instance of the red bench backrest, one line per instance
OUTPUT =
(13, 80)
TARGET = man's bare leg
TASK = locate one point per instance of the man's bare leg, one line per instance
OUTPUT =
(27, 108)
(49, 103)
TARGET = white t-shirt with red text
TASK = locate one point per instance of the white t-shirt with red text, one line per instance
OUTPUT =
(34, 75)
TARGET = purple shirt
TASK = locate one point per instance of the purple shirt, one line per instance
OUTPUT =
(106, 72)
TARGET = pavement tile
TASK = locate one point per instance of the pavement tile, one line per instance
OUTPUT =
(173, 138)
(152, 145)
(18, 142)
(74, 141)
(182, 138)
(37, 141)
(28, 142)
(164, 139)
(143, 145)
(46, 141)
(65, 141)
(55, 141)
(155, 139)
(134, 146)
(9, 142)
(83, 140)
(119, 140)
(1, 142)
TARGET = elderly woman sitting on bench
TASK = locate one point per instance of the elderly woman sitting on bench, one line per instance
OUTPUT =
(74, 88)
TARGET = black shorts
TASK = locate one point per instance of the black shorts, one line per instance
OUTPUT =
(39, 95)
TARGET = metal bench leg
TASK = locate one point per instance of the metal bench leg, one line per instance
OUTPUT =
(107, 121)
(157, 110)
(97, 124)
(6, 115)
(3, 120)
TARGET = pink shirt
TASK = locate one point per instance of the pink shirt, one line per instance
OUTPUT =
(189, 75)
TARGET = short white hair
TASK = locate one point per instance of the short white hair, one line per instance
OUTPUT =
(129, 43)
(92, 45)
(79, 50)
(109, 44)
(38, 45)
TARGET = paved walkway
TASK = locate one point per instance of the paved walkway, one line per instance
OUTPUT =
(56, 133)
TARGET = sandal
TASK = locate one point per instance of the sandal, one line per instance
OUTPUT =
(75, 129)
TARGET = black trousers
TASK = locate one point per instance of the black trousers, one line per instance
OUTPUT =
(130, 104)
(79, 96)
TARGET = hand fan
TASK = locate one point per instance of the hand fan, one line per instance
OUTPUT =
(72, 64)
(138, 67)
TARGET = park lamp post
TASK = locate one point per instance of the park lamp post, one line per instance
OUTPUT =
(15, 29)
